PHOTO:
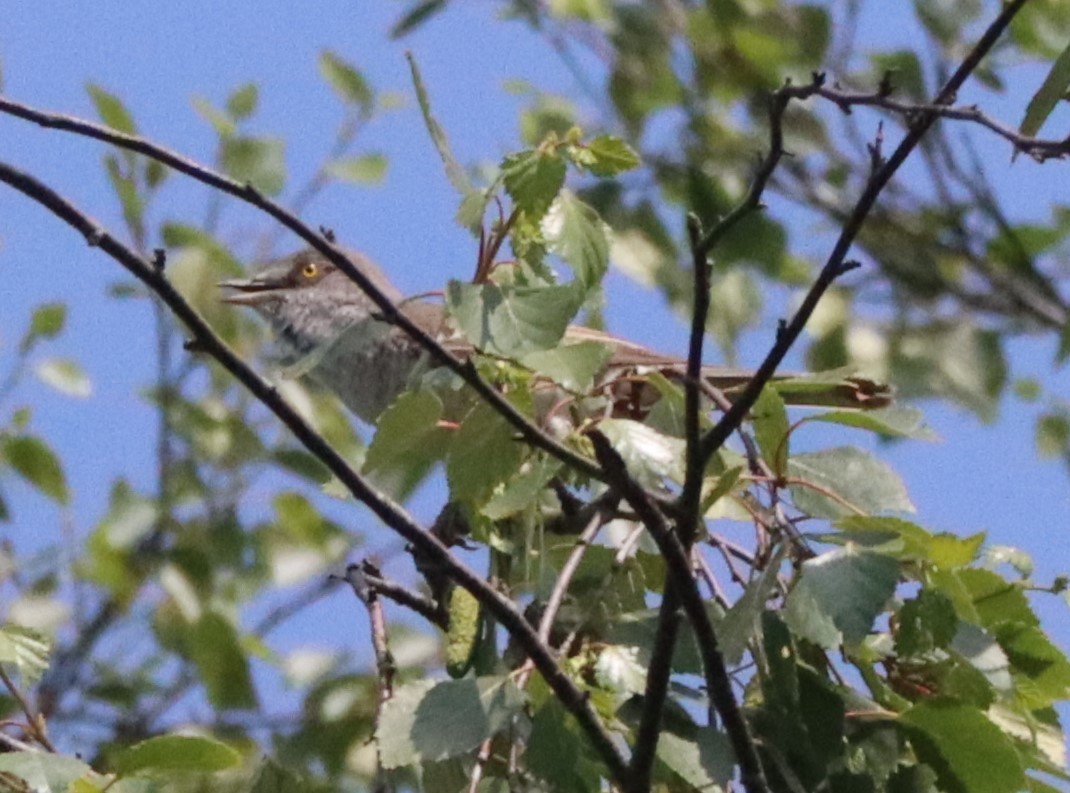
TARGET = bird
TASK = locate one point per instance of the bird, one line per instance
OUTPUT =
(325, 326)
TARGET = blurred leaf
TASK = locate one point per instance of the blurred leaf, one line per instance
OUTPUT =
(176, 753)
(111, 110)
(125, 186)
(1052, 435)
(454, 172)
(347, 82)
(213, 645)
(522, 490)
(302, 463)
(434, 721)
(705, 761)
(256, 161)
(364, 169)
(573, 366)
(242, 101)
(43, 772)
(1052, 90)
(512, 320)
(850, 586)
(222, 123)
(967, 751)
(419, 13)
(770, 419)
(533, 179)
(64, 375)
(26, 650)
(37, 464)
(47, 322)
(576, 233)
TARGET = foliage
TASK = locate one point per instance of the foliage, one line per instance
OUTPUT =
(867, 652)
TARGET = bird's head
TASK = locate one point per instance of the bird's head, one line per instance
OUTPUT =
(308, 300)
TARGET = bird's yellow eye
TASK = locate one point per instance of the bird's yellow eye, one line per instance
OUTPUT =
(310, 270)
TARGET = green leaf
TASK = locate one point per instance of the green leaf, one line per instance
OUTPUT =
(608, 156)
(37, 464)
(927, 622)
(863, 481)
(574, 231)
(896, 421)
(558, 751)
(1033, 655)
(26, 650)
(416, 16)
(111, 110)
(533, 179)
(43, 772)
(434, 721)
(705, 762)
(176, 753)
(1051, 91)
(742, 622)
(968, 752)
(454, 172)
(64, 375)
(523, 490)
(214, 647)
(771, 427)
(257, 161)
(347, 82)
(408, 441)
(364, 169)
(242, 101)
(649, 456)
(850, 586)
(125, 186)
(573, 366)
(484, 454)
(47, 322)
(512, 320)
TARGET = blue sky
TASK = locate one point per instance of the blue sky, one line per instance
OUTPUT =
(157, 56)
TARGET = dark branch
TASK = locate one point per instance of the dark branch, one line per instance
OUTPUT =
(389, 512)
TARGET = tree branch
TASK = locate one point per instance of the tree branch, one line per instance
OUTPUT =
(837, 263)
(335, 254)
(393, 515)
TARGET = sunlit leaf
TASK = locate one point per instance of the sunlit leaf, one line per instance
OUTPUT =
(533, 179)
(64, 375)
(512, 321)
(25, 650)
(454, 172)
(609, 156)
(574, 231)
(851, 586)
(426, 720)
(967, 751)
(574, 366)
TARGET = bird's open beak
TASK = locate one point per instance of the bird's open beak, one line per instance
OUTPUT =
(251, 291)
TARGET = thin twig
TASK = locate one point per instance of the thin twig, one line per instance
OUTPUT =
(837, 263)
(35, 724)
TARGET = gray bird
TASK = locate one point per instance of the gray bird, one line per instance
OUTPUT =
(326, 327)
